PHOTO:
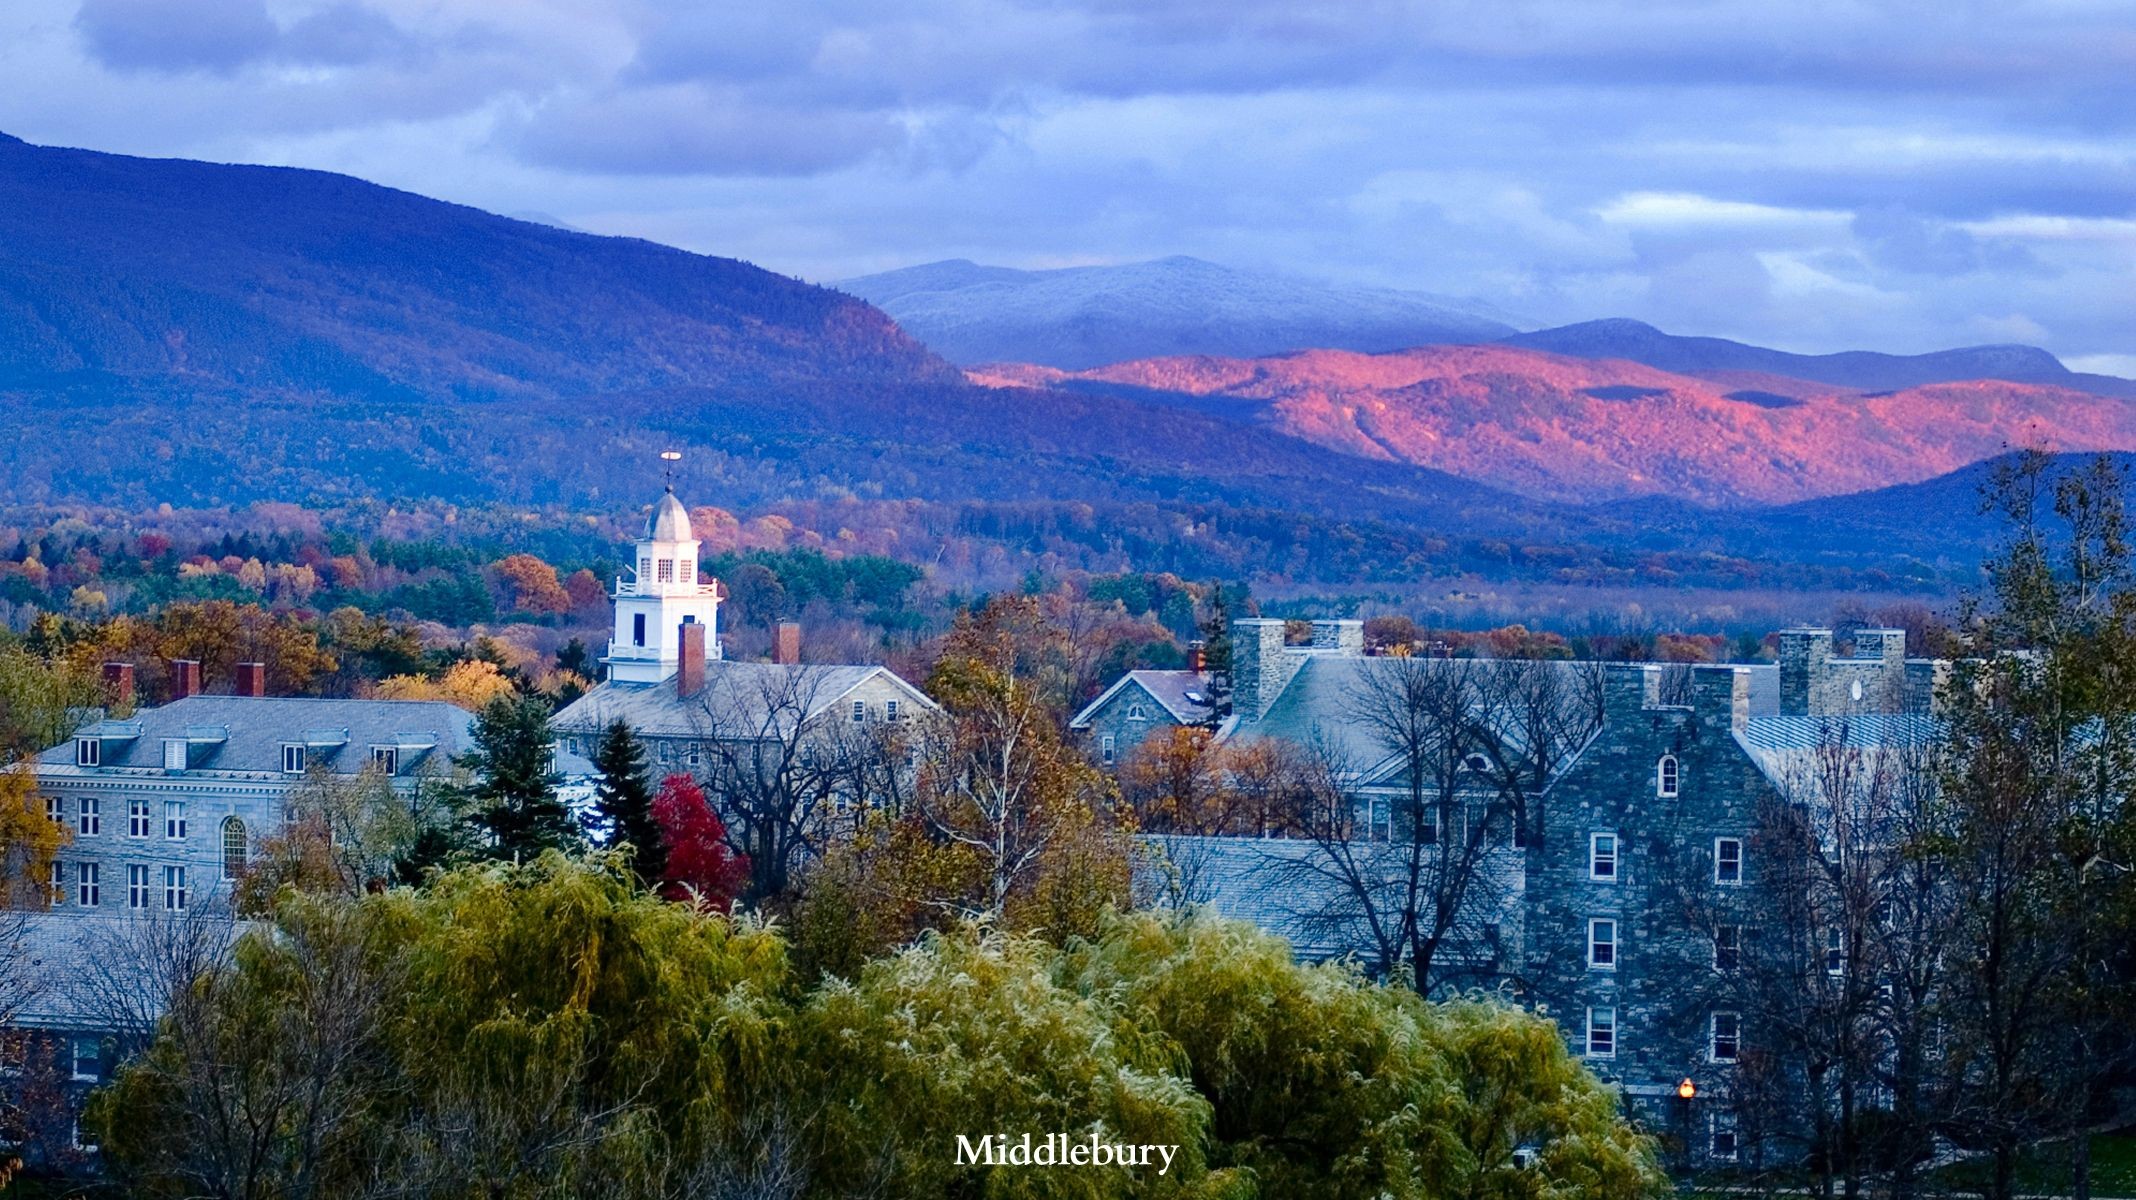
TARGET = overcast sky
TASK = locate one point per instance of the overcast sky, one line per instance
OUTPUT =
(1803, 173)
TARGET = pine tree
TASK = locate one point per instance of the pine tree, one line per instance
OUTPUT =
(623, 801)
(1216, 654)
(514, 797)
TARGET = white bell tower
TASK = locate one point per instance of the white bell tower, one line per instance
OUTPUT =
(658, 597)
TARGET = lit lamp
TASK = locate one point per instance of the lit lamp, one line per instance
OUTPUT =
(1687, 1089)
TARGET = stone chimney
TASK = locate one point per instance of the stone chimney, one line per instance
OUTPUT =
(786, 644)
(185, 678)
(1260, 665)
(1720, 697)
(251, 679)
(1343, 637)
(690, 659)
(1628, 689)
(1198, 657)
(119, 685)
(1803, 656)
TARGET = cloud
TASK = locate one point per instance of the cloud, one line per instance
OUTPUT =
(164, 35)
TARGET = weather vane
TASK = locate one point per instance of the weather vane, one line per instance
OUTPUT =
(671, 457)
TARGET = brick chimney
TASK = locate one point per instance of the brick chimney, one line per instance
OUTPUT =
(251, 679)
(119, 685)
(1198, 657)
(690, 660)
(185, 678)
(786, 644)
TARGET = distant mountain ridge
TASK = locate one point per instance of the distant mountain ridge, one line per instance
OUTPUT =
(1866, 370)
(1585, 431)
(1081, 317)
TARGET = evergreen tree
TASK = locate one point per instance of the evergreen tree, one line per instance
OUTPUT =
(514, 797)
(1216, 654)
(623, 801)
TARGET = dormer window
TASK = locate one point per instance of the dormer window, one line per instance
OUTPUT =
(386, 759)
(292, 758)
(88, 752)
(174, 754)
(1666, 777)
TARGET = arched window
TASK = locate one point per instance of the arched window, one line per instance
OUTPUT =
(1665, 776)
(235, 851)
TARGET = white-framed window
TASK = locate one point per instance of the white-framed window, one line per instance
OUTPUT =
(56, 887)
(686, 570)
(1602, 944)
(292, 758)
(1727, 1037)
(89, 816)
(1602, 857)
(1601, 1033)
(1835, 954)
(1722, 1146)
(174, 889)
(1727, 947)
(137, 819)
(1477, 763)
(1667, 776)
(1382, 814)
(637, 629)
(1106, 747)
(1135, 713)
(860, 711)
(55, 810)
(236, 851)
(890, 710)
(645, 565)
(174, 820)
(137, 886)
(88, 1059)
(87, 892)
(1728, 860)
(88, 752)
(386, 759)
(175, 754)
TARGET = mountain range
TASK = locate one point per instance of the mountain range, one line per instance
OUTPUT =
(1078, 317)
(1581, 430)
(207, 335)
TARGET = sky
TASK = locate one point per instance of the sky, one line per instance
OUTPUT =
(1809, 174)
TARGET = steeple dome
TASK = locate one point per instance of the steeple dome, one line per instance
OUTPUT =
(670, 521)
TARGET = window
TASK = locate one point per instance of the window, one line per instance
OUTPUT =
(1382, 815)
(88, 752)
(174, 889)
(667, 570)
(860, 711)
(293, 759)
(1835, 953)
(1602, 944)
(55, 810)
(1105, 747)
(1477, 763)
(386, 759)
(686, 570)
(234, 850)
(1135, 713)
(88, 1058)
(889, 710)
(645, 566)
(89, 816)
(137, 818)
(637, 629)
(174, 820)
(175, 754)
(1601, 1033)
(1602, 857)
(1727, 1037)
(1727, 947)
(1666, 776)
(86, 892)
(1728, 860)
(1722, 1145)
(137, 886)
(56, 888)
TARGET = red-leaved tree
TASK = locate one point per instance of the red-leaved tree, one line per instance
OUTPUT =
(701, 869)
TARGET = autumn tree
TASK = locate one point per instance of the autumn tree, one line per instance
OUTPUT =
(472, 683)
(697, 867)
(532, 584)
(42, 699)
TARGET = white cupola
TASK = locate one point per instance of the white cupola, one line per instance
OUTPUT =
(658, 597)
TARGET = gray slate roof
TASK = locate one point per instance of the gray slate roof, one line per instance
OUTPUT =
(246, 733)
(1170, 689)
(761, 698)
(1782, 747)
(1265, 881)
(86, 972)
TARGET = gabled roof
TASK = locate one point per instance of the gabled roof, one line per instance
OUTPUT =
(1783, 747)
(247, 733)
(751, 699)
(88, 972)
(1183, 694)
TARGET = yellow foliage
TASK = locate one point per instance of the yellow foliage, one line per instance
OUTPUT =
(472, 684)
